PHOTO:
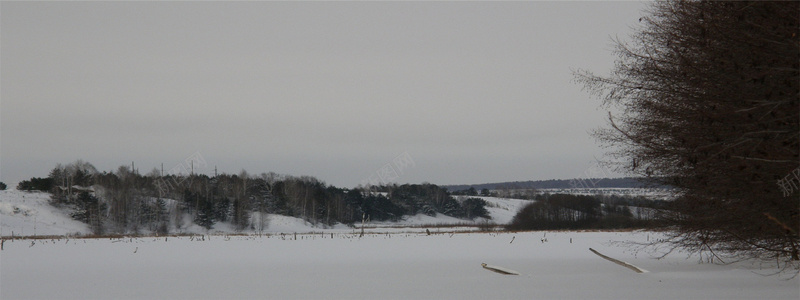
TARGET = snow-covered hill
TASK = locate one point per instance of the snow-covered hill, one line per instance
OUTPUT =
(29, 213)
(503, 210)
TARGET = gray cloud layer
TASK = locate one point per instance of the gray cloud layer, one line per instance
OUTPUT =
(473, 92)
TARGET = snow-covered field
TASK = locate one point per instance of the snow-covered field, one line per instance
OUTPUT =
(376, 266)
(392, 261)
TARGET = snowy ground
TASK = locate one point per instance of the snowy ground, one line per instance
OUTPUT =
(376, 266)
(392, 261)
(29, 213)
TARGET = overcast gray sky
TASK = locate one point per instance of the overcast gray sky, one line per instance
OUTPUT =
(471, 92)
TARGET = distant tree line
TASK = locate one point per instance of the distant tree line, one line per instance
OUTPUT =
(625, 182)
(125, 201)
(503, 192)
(564, 211)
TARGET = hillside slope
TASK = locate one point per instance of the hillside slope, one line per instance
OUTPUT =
(29, 213)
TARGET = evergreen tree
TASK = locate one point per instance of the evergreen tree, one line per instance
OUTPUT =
(88, 210)
(162, 215)
(474, 208)
(205, 213)
(36, 184)
(222, 209)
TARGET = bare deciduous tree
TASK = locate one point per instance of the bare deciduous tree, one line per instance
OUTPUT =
(708, 99)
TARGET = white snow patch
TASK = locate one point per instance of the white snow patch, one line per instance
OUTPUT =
(30, 213)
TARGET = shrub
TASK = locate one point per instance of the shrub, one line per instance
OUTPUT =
(36, 184)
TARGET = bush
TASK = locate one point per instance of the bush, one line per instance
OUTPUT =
(36, 184)
(2, 186)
